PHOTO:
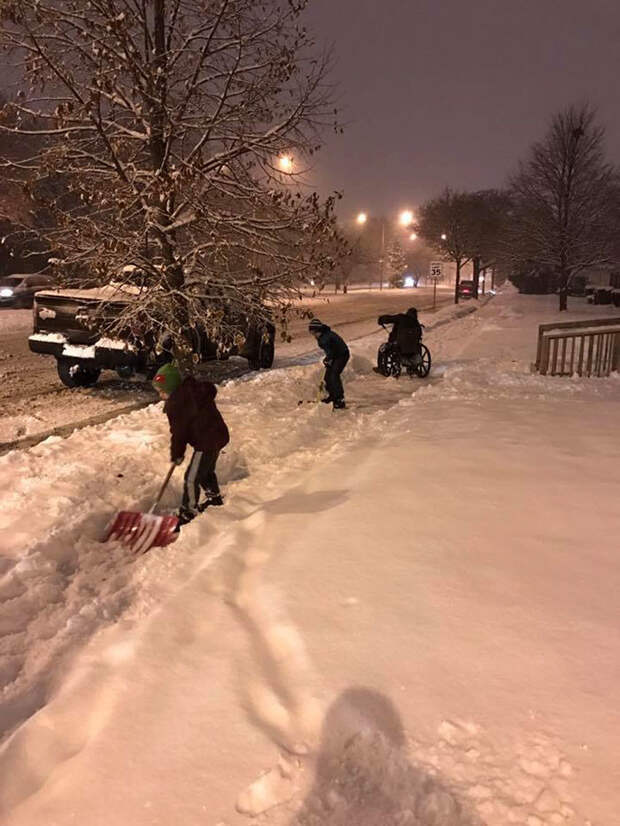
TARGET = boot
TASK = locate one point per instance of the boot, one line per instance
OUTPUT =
(184, 516)
(339, 404)
(215, 500)
(327, 400)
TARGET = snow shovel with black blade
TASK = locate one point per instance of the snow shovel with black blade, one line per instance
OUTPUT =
(143, 531)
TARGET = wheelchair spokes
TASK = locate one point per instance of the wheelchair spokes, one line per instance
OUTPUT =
(390, 362)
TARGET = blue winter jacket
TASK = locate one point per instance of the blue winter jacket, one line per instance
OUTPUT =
(331, 343)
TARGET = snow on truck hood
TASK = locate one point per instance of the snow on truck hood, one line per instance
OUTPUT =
(108, 292)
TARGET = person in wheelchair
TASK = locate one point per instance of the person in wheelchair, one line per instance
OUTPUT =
(404, 347)
(406, 332)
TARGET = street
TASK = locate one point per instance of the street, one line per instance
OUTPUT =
(33, 401)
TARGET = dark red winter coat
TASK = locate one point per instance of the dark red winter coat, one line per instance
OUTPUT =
(194, 418)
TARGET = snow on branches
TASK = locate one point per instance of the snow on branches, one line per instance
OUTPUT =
(158, 129)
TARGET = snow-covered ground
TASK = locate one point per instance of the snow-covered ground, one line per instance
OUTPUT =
(34, 403)
(406, 613)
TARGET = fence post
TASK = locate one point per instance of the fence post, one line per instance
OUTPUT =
(543, 358)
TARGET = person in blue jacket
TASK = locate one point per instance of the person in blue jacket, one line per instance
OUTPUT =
(336, 356)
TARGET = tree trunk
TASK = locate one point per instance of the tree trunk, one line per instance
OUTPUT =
(476, 264)
(563, 289)
(457, 282)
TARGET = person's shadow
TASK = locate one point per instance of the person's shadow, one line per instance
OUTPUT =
(363, 776)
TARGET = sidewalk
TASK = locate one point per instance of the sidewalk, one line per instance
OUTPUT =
(441, 566)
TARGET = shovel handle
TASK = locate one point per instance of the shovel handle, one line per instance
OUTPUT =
(163, 487)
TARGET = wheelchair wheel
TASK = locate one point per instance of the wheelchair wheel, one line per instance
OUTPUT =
(388, 361)
(423, 367)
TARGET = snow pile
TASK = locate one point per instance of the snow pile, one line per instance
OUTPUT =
(81, 351)
(114, 344)
(414, 599)
(55, 338)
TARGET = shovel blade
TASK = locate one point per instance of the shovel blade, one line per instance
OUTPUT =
(141, 531)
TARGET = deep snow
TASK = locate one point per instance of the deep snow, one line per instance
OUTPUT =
(439, 562)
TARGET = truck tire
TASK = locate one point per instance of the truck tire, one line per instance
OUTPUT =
(73, 373)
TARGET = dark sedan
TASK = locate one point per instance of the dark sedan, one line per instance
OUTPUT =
(18, 290)
(466, 289)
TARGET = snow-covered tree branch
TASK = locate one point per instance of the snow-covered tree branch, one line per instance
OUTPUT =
(162, 123)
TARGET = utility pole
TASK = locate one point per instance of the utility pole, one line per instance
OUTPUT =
(382, 253)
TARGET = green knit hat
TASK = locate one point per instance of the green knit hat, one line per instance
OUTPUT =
(167, 378)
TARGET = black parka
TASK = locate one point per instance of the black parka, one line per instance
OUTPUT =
(406, 331)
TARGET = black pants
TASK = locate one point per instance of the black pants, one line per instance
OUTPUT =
(200, 474)
(333, 382)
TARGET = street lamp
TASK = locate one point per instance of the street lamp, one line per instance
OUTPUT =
(444, 237)
(405, 219)
(285, 162)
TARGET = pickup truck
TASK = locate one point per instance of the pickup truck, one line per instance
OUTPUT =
(65, 326)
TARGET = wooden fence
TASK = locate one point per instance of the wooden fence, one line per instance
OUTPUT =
(585, 348)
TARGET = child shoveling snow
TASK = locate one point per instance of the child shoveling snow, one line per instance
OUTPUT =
(194, 420)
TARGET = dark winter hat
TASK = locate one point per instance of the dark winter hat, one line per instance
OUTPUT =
(412, 311)
(167, 378)
(315, 325)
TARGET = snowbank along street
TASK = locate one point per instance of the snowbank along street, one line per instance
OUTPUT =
(405, 613)
(33, 401)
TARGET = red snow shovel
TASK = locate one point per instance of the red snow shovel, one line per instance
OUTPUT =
(142, 531)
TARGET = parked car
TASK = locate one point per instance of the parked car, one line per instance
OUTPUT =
(577, 286)
(466, 289)
(18, 290)
(67, 326)
(603, 295)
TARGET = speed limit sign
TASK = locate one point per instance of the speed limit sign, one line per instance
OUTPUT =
(436, 273)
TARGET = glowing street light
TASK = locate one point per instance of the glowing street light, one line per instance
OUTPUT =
(285, 162)
(444, 237)
(405, 219)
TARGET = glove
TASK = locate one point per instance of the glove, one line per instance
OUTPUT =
(327, 362)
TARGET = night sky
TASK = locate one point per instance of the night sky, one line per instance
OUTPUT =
(452, 92)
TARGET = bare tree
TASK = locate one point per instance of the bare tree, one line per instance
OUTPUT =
(490, 217)
(447, 224)
(177, 128)
(565, 200)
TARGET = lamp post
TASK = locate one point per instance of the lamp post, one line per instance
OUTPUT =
(405, 219)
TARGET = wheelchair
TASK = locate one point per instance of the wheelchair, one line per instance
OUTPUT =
(391, 362)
